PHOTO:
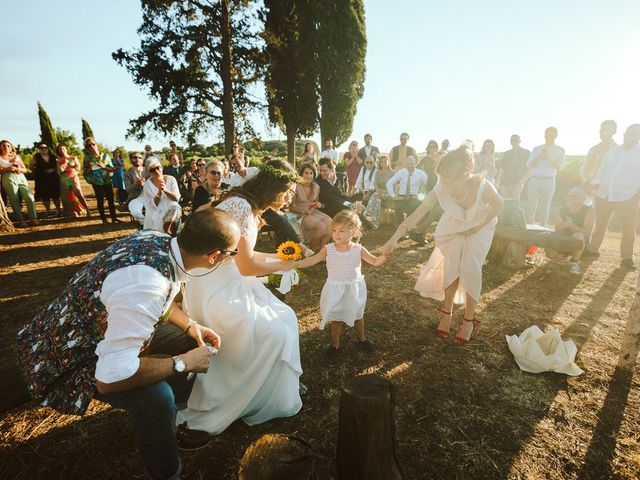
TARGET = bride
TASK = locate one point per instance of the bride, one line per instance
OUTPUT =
(255, 376)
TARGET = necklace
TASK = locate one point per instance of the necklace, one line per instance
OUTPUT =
(187, 273)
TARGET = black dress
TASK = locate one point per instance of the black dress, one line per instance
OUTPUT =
(47, 183)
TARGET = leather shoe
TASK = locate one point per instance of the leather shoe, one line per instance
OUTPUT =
(189, 440)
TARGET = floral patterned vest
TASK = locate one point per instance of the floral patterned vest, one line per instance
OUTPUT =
(57, 348)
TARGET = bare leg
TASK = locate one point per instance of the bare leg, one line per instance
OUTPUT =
(336, 331)
(83, 202)
(575, 256)
(359, 324)
(466, 329)
(604, 211)
(449, 293)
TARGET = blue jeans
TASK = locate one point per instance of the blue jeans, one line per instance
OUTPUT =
(153, 408)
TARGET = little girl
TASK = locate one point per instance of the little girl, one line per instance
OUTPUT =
(344, 295)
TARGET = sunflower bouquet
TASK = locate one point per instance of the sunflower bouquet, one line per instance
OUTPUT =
(283, 282)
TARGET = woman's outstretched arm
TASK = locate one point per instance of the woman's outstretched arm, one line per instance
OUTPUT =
(411, 222)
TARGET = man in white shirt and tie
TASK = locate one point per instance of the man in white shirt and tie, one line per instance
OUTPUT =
(618, 190)
(329, 151)
(544, 163)
(408, 181)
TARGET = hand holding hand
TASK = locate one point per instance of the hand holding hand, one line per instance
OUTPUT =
(197, 360)
(388, 248)
(204, 335)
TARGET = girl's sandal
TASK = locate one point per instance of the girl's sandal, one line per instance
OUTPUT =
(441, 333)
(459, 341)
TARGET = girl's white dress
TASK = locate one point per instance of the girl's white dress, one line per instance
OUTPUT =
(456, 255)
(344, 295)
(255, 376)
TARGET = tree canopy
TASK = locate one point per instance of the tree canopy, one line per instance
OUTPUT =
(47, 132)
(86, 130)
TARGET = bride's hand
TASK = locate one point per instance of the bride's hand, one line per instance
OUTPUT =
(388, 248)
(204, 335)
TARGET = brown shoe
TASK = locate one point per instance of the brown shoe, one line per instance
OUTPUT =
(189, 440)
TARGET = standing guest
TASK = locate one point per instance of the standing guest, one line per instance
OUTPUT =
(161, 199)
(315, 225)
(408, 182)
(118, 177)
(365, 181)
(177, 171)
(148, 151)
(134, 182)
(592, 163)
(618, 182)
(486, 161)
(73, 201)
(242, 173)
(428, 164)
(444, 148)
(352, 164)
(463, 238)
(512, 170)
(380, 178)
(329, 151)
(15, 183)
(400, 153)
(44, 166)
(115, 333)
(574, 220)
(544, 164)
(211, 189)
(368, 150)
(96, 169)
(309, 155)
(173, 149)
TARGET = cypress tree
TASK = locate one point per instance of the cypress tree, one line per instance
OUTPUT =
(86, 130)
(47, 133)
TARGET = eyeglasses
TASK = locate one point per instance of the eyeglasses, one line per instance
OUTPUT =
(230, 253)
(215, 173)
(153, 169)
(200, 164)
(368, 163)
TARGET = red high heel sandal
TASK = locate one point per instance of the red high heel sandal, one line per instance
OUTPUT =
(463, 341)
(440, 333)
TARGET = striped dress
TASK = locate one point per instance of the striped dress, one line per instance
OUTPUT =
(455, 255)
(344, 295)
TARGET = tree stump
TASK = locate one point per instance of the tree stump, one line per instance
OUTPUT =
(366, 436)
(277, 457)
(5, 223)
(631, 339)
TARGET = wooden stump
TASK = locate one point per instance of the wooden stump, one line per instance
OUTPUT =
(5, 223)
(631, 339)
(276, 457)
(366, 436)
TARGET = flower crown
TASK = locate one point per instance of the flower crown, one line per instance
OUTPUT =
(279, 173)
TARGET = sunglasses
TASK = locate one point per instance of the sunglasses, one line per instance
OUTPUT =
(368, 163)
(42, 148)
(153, 169)
(200, 164)
(215, 173)
(91, 144)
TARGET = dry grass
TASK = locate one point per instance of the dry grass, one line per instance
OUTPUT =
(461, 412)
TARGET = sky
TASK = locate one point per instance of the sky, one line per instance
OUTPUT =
(458, 69)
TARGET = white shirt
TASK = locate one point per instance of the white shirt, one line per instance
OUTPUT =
(332, 154)
(235, 180)
(154, 213)
(417, 179)
(544, 169)
(618, 178)
(135, 298)
(367, 150)
(365, 181)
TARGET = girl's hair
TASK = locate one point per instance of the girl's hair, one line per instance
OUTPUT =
(350, 219)
(306, 146)
(490, 142)
(455, 163)
(263, 189)
(12, 149)
(307, 166)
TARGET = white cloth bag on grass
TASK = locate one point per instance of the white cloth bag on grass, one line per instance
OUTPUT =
(535, 352)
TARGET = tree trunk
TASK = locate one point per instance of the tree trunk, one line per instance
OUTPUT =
(276, 457)
(5, 223)
(291, 145)
(227, 83)
(631, 339)
(366, 432)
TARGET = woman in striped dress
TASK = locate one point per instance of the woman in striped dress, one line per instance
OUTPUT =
(463, 237)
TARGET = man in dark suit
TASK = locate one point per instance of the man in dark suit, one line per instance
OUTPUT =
(333, 188)
(368, 150)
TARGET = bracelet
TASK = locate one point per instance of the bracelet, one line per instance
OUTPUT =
(191, 324)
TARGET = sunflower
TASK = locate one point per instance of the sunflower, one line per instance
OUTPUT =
(289, 251)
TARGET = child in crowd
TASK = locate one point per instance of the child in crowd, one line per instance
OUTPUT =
(344, 295)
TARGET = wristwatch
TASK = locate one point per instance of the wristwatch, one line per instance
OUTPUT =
(178, 364)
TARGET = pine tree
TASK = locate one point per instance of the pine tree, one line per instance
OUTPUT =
(86, 130)
(47, 133)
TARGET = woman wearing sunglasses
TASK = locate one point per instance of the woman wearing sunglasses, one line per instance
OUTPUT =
(161, 196)
(211, 189)
(256, 374)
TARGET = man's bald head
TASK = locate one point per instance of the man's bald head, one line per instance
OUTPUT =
(208, 230)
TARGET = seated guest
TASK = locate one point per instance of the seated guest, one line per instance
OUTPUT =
(380, 178)
(408, 182)
(134, 179)
(174, 169)
(198, 177)
(364, 182)
(161, 197)
(211, 189)
(242, 173)
(315, 225)
(226, 175)
(575, 220)
(91, 341)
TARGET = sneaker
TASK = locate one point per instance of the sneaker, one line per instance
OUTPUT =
(574, 267)
(189, 440)
(627, 264)
(367, 345)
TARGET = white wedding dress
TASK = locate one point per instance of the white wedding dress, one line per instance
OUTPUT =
(255, 376)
